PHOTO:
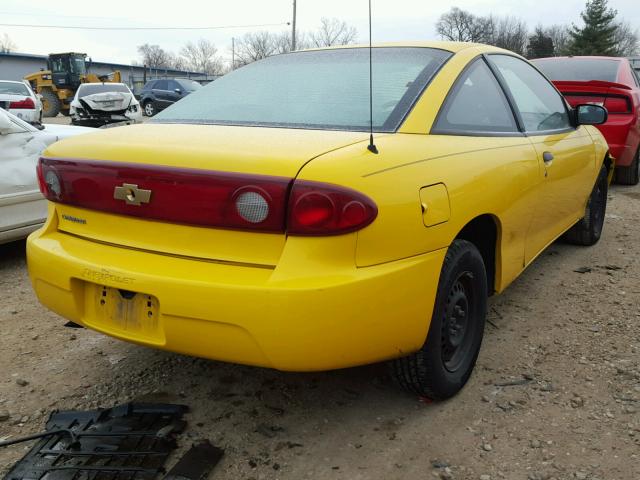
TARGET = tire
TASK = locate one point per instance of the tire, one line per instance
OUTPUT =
(66, 112)
(50, 103)
(443, 365)
(149, 108)
(589, 228)
(629, 175)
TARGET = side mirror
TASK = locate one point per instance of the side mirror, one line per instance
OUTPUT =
(178, 90)
(588, 114)
(5, 123)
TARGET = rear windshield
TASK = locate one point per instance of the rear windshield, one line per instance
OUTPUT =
(324, 89)
(581, 69)
(10, 88)
(101, 88)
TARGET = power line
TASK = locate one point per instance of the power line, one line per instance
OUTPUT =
(78, 27)
(57, 15)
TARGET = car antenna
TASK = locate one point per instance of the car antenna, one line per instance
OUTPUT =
(372, 146)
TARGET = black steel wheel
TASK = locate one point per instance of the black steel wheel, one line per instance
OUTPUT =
(588, 230)
(629, 175)
(444, 363)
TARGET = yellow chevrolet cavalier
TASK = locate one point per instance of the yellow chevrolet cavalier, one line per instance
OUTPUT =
(253, 222)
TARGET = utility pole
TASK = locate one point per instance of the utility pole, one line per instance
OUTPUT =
(293, 28)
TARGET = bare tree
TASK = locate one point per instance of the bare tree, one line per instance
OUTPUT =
(461, 26)
(509, 33)
(179, 63)
(6, 44)
(333, 32)
(626, 38)
(559, 34)
(282, 41)
(154, 56)
(202, 56)
(255, 46)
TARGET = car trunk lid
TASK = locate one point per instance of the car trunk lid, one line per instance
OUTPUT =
(182, 166)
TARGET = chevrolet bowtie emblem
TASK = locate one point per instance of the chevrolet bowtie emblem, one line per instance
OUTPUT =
(132, 194)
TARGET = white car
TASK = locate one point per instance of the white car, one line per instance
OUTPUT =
(99, 104)
(23, 209)
(19, 99)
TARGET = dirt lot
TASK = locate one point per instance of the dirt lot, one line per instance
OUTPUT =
(555, 395)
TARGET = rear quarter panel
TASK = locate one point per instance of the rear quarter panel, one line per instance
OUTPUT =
(483, 175)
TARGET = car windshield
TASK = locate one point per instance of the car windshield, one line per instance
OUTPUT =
(323, 89)
(88, 89)
(189, 85)
(11, 88)
(580, 69)
(78, 65)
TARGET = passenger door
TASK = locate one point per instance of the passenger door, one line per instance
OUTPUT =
(566, 155)
(499, 164)
(21, 204)
(175, 95)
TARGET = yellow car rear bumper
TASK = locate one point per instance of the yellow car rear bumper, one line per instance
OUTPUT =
(238, 313)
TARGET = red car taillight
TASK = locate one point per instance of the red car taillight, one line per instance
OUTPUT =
(27, 103)
(206, 198)
(179, 195)
(323, 209)
(617, 105)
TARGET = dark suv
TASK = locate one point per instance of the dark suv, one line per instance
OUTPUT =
(157, 95)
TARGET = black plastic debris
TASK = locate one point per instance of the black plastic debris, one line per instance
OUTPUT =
(127, 442)
(196, 463)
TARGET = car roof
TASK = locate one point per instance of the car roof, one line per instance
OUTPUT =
(103, 83)
(12, 81)
(578, 57)
(453, 47)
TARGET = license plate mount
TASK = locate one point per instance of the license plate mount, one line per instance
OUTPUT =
(125, 313)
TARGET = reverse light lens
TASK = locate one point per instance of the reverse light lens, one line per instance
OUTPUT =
(52, 182)
(252, 206)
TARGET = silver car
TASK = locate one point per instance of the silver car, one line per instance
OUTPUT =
(22, 207)
(18, 98)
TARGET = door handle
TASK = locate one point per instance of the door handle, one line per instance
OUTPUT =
(547, 157)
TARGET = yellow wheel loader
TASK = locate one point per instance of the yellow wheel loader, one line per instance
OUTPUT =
(58, 84)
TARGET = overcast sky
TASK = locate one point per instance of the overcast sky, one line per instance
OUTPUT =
(392, 20)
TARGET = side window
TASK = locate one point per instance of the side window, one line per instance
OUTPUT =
(161, 85)
(475, 104)
(173, 85)
(541, 107)
(636, 76)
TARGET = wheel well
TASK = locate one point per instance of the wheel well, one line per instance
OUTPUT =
(482, 231)
(608, 162)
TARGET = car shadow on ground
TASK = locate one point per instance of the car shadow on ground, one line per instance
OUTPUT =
(12, 254)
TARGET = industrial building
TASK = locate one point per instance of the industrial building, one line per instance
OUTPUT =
(14, 66)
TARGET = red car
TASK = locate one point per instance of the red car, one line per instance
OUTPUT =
(613, 83)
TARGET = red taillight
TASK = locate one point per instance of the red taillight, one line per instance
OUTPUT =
(617, 105)
(179, 195)
(206, 198)
(575, 99)
(41, 184)
(27, 103)
(323, 209)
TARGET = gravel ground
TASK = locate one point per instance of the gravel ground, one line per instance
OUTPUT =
(555, 394)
